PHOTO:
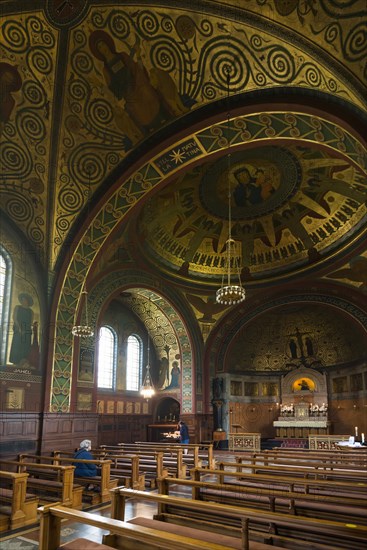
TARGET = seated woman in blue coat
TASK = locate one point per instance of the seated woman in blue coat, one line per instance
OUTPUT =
(83, 469)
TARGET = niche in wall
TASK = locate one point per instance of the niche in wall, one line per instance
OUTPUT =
(168, 410)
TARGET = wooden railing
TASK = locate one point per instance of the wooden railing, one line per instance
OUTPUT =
(244, 441)
(245, 523)
(325, 442)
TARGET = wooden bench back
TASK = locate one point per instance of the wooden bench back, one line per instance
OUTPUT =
(317, 471)
(21, 465)
(105, 482)
(198, 450)
(351, 508)
(334, 457)
(213, 513)
(50, 531)
(284, 480)
(174, 461)
(301, 462)
(62, 484)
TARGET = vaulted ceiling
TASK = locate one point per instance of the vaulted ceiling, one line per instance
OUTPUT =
(121, 133)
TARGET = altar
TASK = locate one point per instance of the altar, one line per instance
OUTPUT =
(304, 407)
(291, 428)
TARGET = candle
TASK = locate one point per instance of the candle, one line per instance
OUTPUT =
(362, 437)
(356, 431)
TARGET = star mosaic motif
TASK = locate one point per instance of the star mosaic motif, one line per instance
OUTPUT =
(178, 156)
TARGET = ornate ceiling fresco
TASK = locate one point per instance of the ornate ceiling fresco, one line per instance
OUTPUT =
(70, 114)
(288, 204)
(115, 128)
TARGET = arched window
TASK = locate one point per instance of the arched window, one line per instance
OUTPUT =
(133, 365)
(107, 344)
(5, 278)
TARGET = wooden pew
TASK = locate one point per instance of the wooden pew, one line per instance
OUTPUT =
(128, 471)
(134, 537)
(202, 452)
(196, 456)
(151, 465)
(129, 474)
(18, 507)
(314, 462)
(349, 457)
(344, 508)
(172, 456)
(191, 453)
(288, 482)
(318, 470)
(105, 481)
(49, 481)
(288, 531)
(150, 462)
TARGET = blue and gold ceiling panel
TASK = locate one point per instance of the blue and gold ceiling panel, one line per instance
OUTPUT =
(28, 57)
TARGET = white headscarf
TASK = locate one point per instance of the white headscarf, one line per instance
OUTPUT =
(86, 444)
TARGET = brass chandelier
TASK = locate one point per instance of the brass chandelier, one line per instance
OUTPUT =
(231, 291)
(147, 389)
(83, 331)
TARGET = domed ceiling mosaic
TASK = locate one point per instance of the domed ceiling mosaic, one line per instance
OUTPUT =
(288, 204)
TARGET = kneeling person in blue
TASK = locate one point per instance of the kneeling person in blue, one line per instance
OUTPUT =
(83, 469)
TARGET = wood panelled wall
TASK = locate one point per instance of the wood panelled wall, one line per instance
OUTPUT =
(122, 428)
(19, 432)
(45, 432)
(66, 431)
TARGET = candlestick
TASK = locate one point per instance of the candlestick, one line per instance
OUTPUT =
(362, 437)
(356, 431)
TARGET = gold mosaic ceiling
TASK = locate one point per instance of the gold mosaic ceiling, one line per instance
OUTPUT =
(288, 205)
(90, 89)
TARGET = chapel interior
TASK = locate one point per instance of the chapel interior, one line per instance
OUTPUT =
(151, 154)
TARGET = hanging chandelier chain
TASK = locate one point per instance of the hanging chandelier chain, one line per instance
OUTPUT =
(147, 389)
(229, 293)
(86, 305)
(85, 330)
